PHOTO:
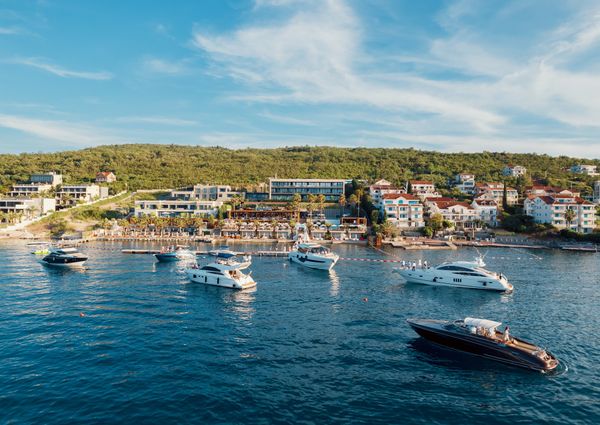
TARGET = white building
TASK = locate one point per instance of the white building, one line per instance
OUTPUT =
(106, 177)
(381, 188)
(29, 208)
(552, 210)
(596, 197)
(77, 193)
(463, 215)
(590, 170)
(285, 189)
(29, 190)
(487, 211)
(423, 189)
(465, 183)
(495, 192)
(514, 170)
(540, 190)
(404, 210)
(51, 178)
(202, 192)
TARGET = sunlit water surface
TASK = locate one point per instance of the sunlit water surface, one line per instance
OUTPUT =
(130, 340)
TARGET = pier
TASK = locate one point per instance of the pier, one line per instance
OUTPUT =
(262, 253)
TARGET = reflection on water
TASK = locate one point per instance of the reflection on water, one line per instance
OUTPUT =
(335, 283)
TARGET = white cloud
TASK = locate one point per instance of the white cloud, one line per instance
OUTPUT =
(60, 71)
(285, 119)
(10, 31)
(162, 66)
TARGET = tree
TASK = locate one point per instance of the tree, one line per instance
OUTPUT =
(321, 202)
(435, 223)
(342, 201)
(310, 207)
(388, 229)
(375, 216)
(295, 203)
(360, 192)
(570, 216)
(353, 200)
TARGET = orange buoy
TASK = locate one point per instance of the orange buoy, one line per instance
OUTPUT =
(82, 314)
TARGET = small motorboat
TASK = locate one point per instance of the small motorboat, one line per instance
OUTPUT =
(40, 248)
(481, 337)
(226, 273)
(457, 274)
(313, 255)
(222, 252)
(64, 257)
(175, 253)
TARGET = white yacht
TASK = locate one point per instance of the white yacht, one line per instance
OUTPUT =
(313, 255)
(458, 274)
(224, 273)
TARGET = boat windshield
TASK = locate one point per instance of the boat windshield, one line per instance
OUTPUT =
(319, 250)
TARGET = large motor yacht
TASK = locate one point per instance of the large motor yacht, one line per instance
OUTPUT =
(174, 253)
(225, 273)
(458, 274)
(313, 255)
(481, 337)
(64, 257)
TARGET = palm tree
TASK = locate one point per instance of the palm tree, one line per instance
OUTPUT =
(321, 202)
(359, 196)
(310, 207)
(353, 200)
(570, 216)
(342, 202)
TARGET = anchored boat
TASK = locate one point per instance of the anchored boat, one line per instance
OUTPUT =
(64, 257)
(313, 255)
(226, 273)
(481, 337)
(175, 253)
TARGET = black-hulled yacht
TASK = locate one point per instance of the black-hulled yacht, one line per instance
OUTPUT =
(64, 257)
(481, 337)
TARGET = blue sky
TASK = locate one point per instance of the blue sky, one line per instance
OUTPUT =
(464, 75)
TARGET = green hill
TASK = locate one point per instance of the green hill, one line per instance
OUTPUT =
(146, 166)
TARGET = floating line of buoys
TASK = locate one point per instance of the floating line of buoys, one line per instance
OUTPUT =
(371, 260)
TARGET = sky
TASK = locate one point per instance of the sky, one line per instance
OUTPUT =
(453, 76)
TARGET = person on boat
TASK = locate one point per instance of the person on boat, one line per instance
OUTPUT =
(506, 334)
(420, 265)
(425, 264)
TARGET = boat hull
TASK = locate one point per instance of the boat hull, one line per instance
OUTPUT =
(221, 281)
(166, 258)
(312, 261)
(65, 265)
(427, 277)
(479, 346)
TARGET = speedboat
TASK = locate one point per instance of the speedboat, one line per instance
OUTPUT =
(222, 252)
(64, 257)
(174, 253)
(313, 255)
(457, 274)
(225, 273)
(481, 337)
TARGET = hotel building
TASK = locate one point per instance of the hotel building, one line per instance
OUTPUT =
(552, 210)
(285, 189)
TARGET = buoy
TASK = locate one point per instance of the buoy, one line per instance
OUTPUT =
(365, 299)
(81, 314)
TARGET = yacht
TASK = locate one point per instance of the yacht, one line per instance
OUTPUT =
(64, 257)
(226, 273)
(222, 252)
(174, 253)
(481, 337)
(313, 255)
(457, 274)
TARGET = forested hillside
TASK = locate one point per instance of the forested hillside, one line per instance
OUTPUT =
(144, 166)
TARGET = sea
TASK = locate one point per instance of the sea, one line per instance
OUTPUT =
(130, 340)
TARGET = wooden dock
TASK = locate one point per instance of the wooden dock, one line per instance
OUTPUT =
(264, 253)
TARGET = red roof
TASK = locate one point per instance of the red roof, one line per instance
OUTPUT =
(104, 173)
(399, 195)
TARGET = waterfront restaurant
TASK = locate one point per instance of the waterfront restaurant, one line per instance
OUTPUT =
(285, 189)
(281, 215)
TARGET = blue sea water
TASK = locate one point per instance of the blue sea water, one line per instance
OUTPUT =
(130, 340)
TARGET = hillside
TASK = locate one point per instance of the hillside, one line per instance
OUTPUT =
(144, 166)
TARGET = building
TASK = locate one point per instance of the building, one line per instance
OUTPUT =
(461, 214)
(381, 188)
(596, 197)
(29, 208)
(106, 177)
(422, 189)
(495, 192)
(73, 194)
(465, 183)
(51, 178)
(29, 190)
(176, 207)
(514, 170)
(590, 170)
(404, 210)
(487, 211)
(541, 190)
(285, 189)
(553, 210)
(203, 192)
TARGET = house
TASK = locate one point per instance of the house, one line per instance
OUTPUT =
(514, 170)
(590, 170)
(541, 190)
(494, 191)
(381, 188)
(487, 211)
(465, 183)
(106, 177)
(553, 210)
(461, 214)
(72, 194)
(422, 188)
(404, 210)
(285, 189)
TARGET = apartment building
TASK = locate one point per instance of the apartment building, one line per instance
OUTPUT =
(461, 214)
(590, 170)
(28, 207)
(541, 190)
(596, 196)
(50, 178)
(381, 188)
(285, 189)
(487, 211)
(553, 210)
(73, 194)
(494, 191)
(204, 192)
(465, 183)
(514, 170)
(423, 189)
(404, 210)
(34, 190)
